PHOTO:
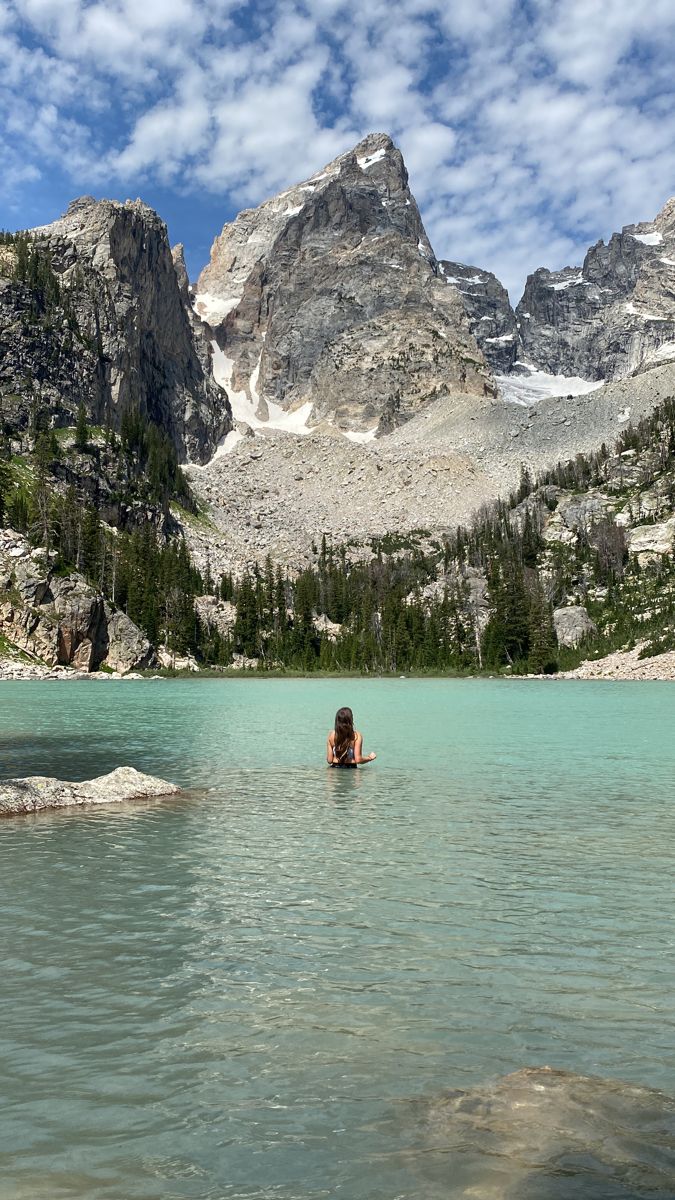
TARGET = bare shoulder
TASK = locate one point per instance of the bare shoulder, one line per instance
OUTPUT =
(331, 736)
(358, 736)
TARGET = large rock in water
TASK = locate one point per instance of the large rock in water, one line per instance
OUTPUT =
(540, 1134)
(329, 295)
(121, 334)
(37, 792)
(610, 317)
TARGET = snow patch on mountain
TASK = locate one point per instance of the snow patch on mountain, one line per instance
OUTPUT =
(362, 437)
(245, 404)
(213, 309)
(369, 160)
(648, 239)
(565, 283)
(526, 390)
(663, 353)
(645, 316)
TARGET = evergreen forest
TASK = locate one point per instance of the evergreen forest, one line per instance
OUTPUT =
(480, 599)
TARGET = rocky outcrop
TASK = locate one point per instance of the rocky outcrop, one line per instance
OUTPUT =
(491, 318)
(610, 317)
(216, 614)
(128, 649)
(119, 335)
(328, 299)
(651, 542)
(572, 625)
(171, 661)
(36, 793)
(61, 620)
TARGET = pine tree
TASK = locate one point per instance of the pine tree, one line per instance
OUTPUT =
(5, 487)
(245, 629)
(543, 658)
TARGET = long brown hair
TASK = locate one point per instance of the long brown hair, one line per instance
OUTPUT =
(344, 732)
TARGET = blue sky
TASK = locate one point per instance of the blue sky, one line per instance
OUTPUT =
(530, 127)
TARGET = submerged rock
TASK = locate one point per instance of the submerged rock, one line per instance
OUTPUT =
(541, 1133)
(37, 792)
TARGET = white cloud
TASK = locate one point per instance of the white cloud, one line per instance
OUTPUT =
(528, 131)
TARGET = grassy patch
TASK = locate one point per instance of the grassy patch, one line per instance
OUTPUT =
(10, 650)
(22, 469)
(194, 520)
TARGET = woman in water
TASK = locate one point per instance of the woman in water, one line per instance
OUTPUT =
(345, 743)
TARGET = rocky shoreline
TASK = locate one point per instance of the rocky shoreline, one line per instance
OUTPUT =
(625, 664)
(621, 665)
(17, 669)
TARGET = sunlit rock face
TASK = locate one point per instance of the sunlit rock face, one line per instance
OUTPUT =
(610, 317)
(544, 1134)
(329, 296)
(122, 334)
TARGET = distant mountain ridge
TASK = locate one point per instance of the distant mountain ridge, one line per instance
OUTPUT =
(612, 316)
(328, 295)
(325, 306)
(324, 313)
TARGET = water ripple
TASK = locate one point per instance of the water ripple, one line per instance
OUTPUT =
(244, 992)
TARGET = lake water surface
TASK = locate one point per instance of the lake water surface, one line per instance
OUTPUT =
(261, 989)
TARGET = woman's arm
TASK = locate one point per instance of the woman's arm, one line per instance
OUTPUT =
(358, 751)
(329, 747)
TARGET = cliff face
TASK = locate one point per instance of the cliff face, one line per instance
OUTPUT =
(491, 318)
(119, 334)
(330, 295)
(612, 316)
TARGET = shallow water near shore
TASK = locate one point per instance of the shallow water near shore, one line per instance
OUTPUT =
(262, 988)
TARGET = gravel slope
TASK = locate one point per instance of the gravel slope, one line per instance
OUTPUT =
(278, 493)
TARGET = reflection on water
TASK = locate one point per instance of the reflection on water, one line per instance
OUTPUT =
(266, 988)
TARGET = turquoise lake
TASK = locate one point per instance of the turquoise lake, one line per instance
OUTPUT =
(261, 989)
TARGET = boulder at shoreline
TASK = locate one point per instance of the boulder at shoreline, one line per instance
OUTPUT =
(38, 792)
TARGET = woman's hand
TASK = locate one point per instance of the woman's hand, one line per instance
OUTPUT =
(371, 756)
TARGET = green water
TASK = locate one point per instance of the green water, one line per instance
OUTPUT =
(259, 990)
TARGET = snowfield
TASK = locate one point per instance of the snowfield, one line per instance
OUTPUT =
(538, 385)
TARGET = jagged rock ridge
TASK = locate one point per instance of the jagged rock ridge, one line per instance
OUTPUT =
(610, 317)
(330, 295)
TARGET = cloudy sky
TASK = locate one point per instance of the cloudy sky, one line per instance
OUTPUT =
(530, 127)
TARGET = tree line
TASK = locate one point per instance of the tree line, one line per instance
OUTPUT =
(481, 598)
